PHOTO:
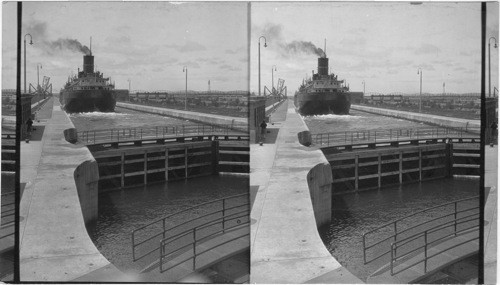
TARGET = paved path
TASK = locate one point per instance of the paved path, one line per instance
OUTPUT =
(54, 243)
(490, 215)
(285, 243)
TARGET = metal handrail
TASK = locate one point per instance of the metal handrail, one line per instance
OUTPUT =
(166, 131)
(394, 245)
(394, 226)
(334, 138)
(164, 229)
(196, 240)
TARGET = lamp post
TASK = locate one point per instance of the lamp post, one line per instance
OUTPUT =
(185, 69)
(265, 45)
(129, 89)
(489, 64)
(419, 71)
(38, 75)
(273, 69)
(31, 42)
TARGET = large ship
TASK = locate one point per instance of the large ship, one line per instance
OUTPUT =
(323, 93)
(88, 91)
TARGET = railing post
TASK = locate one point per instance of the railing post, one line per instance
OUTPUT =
(224, 215)
(425, 252)
(133, 247)
(455, 222)
(364, 249)
(163, 221)
(392, 259)
(194, 249)
(94, 136)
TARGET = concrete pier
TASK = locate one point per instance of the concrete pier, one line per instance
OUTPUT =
(285, 243)
(54, 243)
(239, 123)
(425, 118)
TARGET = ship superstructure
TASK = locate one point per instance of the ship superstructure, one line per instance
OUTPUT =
(88, 91)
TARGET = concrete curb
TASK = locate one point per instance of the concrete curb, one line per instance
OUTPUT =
(426, 118)
(55, 245)
(239, 123)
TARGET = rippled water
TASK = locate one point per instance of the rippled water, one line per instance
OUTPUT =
(354, 214)
(122, 211)
(122, 118)
(355, 121)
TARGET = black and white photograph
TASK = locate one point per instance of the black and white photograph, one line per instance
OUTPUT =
(370, 171)
(134, 151)
(287, 142)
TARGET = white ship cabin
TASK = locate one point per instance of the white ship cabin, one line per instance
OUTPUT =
(89, 81)
(327, 83)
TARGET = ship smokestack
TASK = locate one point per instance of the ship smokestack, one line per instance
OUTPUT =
(88, 63)
(323, 66)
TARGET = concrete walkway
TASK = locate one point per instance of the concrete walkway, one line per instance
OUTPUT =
(240, 123)
(285, 243)
(426, 118)
(54, 243)
(490, 215)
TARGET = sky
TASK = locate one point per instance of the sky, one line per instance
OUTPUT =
(381, 43)
(146, 42)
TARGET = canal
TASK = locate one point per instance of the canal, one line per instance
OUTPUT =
(121, 211)
(356, 121)
(355, 214)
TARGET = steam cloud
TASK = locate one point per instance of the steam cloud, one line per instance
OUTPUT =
(274, 32)
(39, 32)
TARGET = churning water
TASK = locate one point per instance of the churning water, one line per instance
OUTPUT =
(122, 118)
(356, 121)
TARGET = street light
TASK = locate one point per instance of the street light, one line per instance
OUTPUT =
(185, 69)
(38, 75)
(419, 71)
(489, 63)
(265, 45)
(129, 89)
(31, 42)
(273, 69)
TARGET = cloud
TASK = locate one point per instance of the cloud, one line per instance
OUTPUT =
(189, 46)
(427, 49)
(235, 51)
(189, 64)
(229, 67)
(115, 40)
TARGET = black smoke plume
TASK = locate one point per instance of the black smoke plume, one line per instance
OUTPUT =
(38, 30)
(274, 33)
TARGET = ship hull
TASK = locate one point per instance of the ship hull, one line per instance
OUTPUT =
(323, 103)
(88, 101)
